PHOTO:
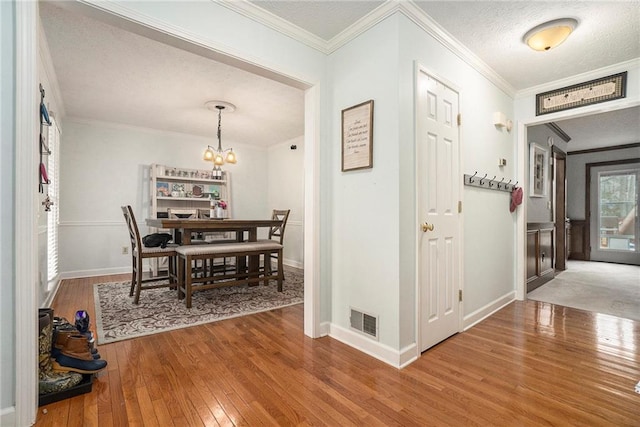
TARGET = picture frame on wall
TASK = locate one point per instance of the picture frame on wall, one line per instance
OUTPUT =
(357, 137)
(538, 170)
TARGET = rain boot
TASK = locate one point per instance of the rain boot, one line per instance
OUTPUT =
(50, 381)
(76, 356)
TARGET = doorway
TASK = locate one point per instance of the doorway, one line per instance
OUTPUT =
(612, 201)
(438, 189)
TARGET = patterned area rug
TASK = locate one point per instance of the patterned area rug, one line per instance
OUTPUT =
(118, 318)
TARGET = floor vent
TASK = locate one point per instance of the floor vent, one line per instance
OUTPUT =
(365, 323)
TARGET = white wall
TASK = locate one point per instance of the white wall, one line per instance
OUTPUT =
(576, 170)
(7, 278)
(365, 212)
(373, 217)
(488, 236)
(286, 191)
(104, 166)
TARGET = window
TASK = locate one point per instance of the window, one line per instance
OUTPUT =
(618, 195)
(53, 217)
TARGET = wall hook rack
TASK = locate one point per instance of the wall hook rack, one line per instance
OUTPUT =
(490, 184)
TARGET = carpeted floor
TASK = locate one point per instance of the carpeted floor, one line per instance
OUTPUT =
(117, 318)
(595, 286)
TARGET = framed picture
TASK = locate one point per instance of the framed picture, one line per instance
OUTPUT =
(357, 137)
(538, 170)
(579, 95)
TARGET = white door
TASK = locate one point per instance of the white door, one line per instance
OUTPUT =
(614, 219)
(438, 225)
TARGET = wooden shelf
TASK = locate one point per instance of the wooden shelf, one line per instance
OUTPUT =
(189, 199)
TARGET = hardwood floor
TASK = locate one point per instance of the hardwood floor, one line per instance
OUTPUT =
(530, 364)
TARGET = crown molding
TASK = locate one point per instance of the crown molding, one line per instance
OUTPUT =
(431, 27)
(589, 75)
(388, 8)
(368, 21)
(264, 17)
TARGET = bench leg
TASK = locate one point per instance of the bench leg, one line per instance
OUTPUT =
(187, 280)
(180, 277)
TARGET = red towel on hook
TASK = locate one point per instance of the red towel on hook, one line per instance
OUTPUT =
(44, 178)
(516, 198)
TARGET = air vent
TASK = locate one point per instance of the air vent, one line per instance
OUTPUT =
(365, 323)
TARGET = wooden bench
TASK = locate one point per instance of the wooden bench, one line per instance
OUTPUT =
(213, 278)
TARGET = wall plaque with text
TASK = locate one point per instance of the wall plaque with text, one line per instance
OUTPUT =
(357, 137)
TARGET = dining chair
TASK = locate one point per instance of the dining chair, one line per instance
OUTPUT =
(276, 233)
(139, 252)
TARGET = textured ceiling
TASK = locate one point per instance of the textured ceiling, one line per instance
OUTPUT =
(112, 75)
(607, 33)
(109, 74)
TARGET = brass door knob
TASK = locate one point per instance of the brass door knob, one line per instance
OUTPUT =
(427, 227)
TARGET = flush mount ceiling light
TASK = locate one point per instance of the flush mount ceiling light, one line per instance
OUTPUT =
(550, 34)
(219, 156)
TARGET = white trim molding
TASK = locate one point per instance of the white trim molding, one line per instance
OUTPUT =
(26, 209)
(486, 311)
(382, 352)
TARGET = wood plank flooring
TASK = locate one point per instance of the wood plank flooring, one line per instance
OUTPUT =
(530, 364)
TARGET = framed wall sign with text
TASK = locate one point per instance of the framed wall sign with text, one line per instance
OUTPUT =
(357, 137)
(587, 93)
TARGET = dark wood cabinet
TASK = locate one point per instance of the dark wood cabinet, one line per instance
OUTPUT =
(540, 254)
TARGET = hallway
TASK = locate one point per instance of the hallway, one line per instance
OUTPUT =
(595, 286)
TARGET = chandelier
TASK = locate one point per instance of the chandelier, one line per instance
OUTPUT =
(217, 155)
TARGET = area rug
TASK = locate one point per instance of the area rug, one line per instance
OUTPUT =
(599, 287)
(118, 318)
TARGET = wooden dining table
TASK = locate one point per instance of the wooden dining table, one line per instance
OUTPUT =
(183, 228)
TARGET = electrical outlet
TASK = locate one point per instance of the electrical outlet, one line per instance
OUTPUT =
(125, 250)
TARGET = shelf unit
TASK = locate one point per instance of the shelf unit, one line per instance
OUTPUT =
(174, 187)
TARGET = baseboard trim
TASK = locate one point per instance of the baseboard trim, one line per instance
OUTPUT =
(123, 270)
(486, 311)
(8, 416)
(97, 272)
(374, 349)
(292, 263)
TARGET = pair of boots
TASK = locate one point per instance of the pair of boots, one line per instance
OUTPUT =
(50, 381)
(73, 349)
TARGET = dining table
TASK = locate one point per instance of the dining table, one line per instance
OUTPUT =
(246, 230)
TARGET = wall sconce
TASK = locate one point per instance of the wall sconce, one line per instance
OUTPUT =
(546, 36)
(500, 121)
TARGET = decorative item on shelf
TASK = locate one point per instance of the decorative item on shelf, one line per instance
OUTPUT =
(219, 156)
(221, 207)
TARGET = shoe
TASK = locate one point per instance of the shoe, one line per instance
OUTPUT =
(62, 325)
(76, 356)
(50, 381)
(60, 341)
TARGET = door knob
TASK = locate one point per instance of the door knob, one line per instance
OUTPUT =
(427, 227)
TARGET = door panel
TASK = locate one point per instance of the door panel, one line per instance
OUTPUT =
(438, 195)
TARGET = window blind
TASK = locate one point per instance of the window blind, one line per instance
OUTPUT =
(53, 217)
